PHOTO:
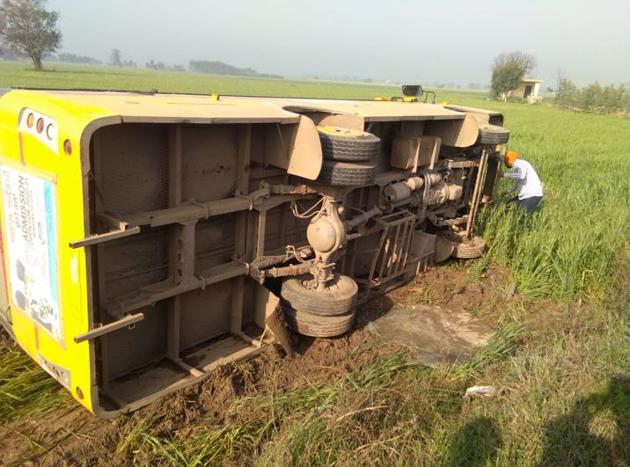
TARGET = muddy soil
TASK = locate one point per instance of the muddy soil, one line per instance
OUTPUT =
(72, 436)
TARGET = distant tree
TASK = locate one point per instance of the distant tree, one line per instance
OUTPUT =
(115, 58)
(567, 94)
(29, 29)
(508, 70)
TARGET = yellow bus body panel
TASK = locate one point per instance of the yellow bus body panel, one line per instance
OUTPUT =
(24, 153)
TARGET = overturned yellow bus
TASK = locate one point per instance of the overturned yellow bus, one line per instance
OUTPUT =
(149, 238)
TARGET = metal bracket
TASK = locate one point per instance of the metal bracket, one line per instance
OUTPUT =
(121, 228)
(105, 237)
(110, 327)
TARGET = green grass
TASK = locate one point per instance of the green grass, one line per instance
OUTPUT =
(570, 247)
(25, 389)
(396, 412)
(565, 398)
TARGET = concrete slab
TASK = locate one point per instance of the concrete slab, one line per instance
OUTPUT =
(436, 334)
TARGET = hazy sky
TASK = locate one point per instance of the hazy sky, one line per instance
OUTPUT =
(399, 40)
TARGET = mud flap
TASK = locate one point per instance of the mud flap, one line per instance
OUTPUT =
(269, 315)
(296, 149)
(459, 133)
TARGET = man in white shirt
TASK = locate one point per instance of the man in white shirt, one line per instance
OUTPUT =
(526, 181)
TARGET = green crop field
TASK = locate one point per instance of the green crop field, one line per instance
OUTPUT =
(560, 352)
(96, 77)
(64, 76)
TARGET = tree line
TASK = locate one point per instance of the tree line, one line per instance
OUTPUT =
(66, 57)
(220, 68)
(592, 98)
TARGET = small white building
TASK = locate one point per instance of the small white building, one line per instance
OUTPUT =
(528, 90)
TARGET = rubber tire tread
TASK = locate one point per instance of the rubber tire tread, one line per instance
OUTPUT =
(469, 249)
(493, 134)
(346, 173)
(309, 324)
(337, 301)
(349, 149)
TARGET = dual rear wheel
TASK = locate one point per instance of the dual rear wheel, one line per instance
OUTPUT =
(327, 312)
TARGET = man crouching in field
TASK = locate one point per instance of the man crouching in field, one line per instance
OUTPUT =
(525, 180)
